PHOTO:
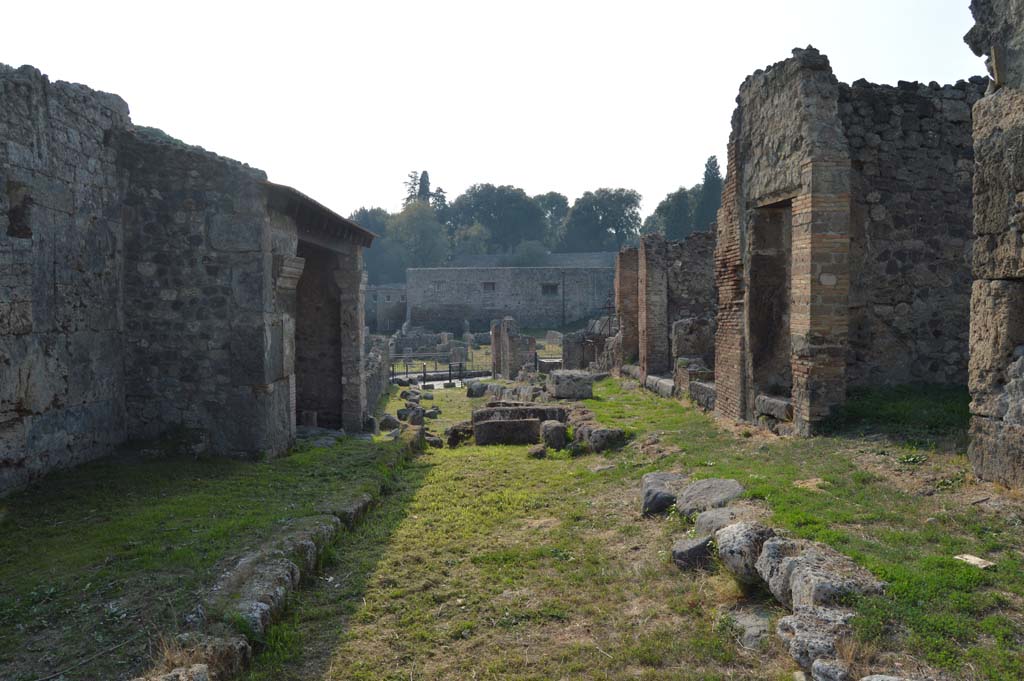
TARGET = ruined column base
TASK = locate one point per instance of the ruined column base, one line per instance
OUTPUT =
(996, 451)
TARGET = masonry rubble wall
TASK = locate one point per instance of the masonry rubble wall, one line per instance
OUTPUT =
(510, 350)
(842, 236)
(61, 275)
(444, 298)
(996, 374)
(149, 287)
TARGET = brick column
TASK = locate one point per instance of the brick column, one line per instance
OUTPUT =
(627, 303)
(820, 288)
(730, 386)
(652, 299)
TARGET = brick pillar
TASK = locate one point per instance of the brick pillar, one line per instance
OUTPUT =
(820, 288)
(627, 302)
(496, 347)
(349, 279)
(730, 386)
(652, 300)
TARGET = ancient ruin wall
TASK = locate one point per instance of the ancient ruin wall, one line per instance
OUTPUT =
(201, 350)
(627, 304)
(996, 375)
(443, 298)
(910, 230)
(675, 282)
(61, 310)
(787, 152)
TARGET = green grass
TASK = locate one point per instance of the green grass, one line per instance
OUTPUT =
(492, 565)
(91, 556)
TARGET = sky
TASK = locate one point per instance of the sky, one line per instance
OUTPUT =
(342, 99)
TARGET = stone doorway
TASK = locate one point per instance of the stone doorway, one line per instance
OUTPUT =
(769, 296)
(319, 388)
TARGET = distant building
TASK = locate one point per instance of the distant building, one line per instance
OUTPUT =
(444, 298)
(385, 307)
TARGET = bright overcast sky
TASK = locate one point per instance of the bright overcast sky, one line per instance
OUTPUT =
(342, 99)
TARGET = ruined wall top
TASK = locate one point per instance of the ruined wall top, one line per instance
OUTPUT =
(788, 112)
(998, 35)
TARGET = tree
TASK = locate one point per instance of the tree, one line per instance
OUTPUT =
(526, 254)
(439, 202)
(412, 187)
(471, 239)
(423, 191)
(509, 215)
(710, 200)
(556, 209)
(384, 261)
(674, 215)
(422, 238)
(603, 220)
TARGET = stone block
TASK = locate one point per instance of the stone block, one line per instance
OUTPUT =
(997, 331)
(996, 451)
(570, 385)
(553, 434)
(778, 408)
(659, 491)
(739, 546)
(703, 393)
(515, 432)
(709, 493)
(691, 553)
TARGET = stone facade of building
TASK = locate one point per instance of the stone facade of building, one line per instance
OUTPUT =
(537, 297)
(385, 307)
(997, 303)
(843, 239)
(147, 286)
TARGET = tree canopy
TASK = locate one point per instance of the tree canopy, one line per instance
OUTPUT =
(606, 219)
(508, 214)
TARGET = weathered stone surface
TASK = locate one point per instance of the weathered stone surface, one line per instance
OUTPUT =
(570, 385)
(389, 422)
(998, 36)
(416, 415)
(196, 672)
(659, 492)
(996, 451)
(754, 623)
(709, 493)
(459, 434)
(664, 387)
(520, 411)
(778, 408)
(554, 434)
(811, 633)
(476, 389)
(704, 394)
(598, 438)
(829, 670)
(691, 552)
(739, 546)
(433, 441)
(537, 452)
(714, 519)
(800, 573)
(517, 432)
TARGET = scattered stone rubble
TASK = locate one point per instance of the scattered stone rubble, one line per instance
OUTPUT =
(810, 579)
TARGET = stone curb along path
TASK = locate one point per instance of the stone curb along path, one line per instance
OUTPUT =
(242, 604)
(808, 578)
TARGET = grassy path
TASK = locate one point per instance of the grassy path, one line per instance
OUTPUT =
(486, 564)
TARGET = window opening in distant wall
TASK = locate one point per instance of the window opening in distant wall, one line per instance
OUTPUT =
(19, 206)
(549, 289)
(387, 299)
(489, 286)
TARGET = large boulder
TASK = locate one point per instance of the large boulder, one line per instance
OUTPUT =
(705, 494)
(515, 432)
(416, 416)
(659, 492)
(802, 573)
(566, 384)
(553, 433)
(476, 389)
(739, 545)
(597, 438)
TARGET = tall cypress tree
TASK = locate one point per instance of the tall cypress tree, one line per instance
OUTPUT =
(710, 200)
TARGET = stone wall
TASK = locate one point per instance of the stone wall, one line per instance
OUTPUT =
(385, 307)
(910, 230)
(61, 274)
(842, 239)
(675, 282)
(378, 371)
(148, 287)
(444, 298)
(997, 302)
(627, 306)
